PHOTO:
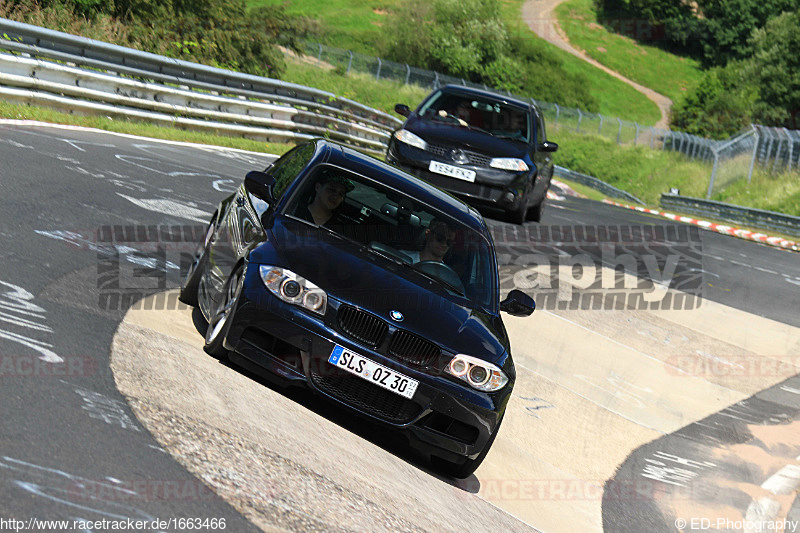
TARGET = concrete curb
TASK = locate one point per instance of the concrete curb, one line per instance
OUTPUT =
(778, 242)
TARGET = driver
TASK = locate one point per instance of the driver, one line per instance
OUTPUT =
(329, 193)
(439, 238)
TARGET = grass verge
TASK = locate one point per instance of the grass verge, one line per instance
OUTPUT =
(615, 98)
(143, 129)
(344, 24)
(363, 88)
(665, 73)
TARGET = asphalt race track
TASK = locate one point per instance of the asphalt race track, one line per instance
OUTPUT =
(671, 405)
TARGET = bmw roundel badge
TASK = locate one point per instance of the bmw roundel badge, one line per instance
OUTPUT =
(397, 316)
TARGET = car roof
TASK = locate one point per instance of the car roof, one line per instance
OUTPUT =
(407, 184)
(464, 90)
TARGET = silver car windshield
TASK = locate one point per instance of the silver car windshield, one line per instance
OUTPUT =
(401, 230)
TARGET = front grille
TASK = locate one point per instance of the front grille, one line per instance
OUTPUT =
(361, 326)
(363, 395)
(474, 158)
(413, 349)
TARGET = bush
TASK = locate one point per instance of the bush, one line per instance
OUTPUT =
(219, 33)
(467, 39)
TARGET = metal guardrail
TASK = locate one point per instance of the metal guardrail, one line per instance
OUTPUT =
(594, 183)
(733, 213)
(306, 111)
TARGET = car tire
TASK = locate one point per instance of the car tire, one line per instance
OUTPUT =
(220, 321)
(191, 282)
(467, 468)
(520, 214)
(535, 212)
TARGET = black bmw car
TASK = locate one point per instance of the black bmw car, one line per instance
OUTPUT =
(488, 149)
(378, 291)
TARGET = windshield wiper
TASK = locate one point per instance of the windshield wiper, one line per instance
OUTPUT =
(461, 121)
(339, 236)
(512, 137)
(448, 286)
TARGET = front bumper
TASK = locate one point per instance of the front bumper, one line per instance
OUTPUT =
(495, 188)
(443, 418)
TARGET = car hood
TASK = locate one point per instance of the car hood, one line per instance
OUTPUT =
(447, 134)
(353, 275)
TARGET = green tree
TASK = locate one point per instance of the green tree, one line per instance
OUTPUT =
(775, 68)
(727, 25)
(458, 37)
(718, 107)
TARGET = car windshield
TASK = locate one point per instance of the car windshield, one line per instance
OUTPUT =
(483, 114)
(387, 223)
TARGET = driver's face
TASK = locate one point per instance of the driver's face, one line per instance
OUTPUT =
(331, 194)
(440, 240)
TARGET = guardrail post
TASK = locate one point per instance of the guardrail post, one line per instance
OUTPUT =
(652, 137)
(349, 61)
(636, 137)
(580, 118)
(619, 131)
(408, 73)
(600, 128)
(791, 147)
(378, 74)
(558, 111)
(713, 176)
(755, 153)
(436, 80)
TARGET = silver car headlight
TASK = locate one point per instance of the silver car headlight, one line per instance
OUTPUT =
(509, 163)
(410, 139)
(293, 289)
(478, 373)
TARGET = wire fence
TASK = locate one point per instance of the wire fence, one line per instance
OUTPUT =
(775, 150)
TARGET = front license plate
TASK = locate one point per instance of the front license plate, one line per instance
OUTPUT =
(373, 372)
(453, 172)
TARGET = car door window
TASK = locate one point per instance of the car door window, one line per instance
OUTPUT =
(540, 135)
(289, 166)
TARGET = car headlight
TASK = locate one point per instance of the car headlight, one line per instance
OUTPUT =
(293, 289)
(410, 139)
(479, 374)
(509, 163)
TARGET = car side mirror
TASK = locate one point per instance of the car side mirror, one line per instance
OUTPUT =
(260, 184)
(517, 303)
(548, 146)
(402, 109)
